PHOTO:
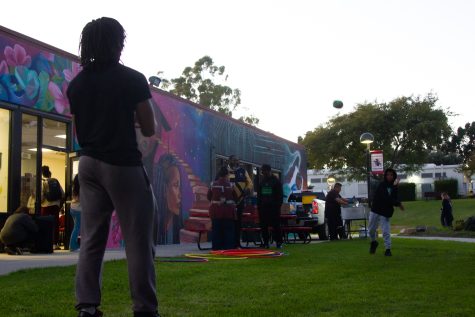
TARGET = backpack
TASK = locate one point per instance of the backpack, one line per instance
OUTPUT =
(53, 191)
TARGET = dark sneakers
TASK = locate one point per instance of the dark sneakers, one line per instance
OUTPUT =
(388, 252)
(98, 313)
(373, 246)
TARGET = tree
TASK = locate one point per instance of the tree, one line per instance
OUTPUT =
(407, 129)
(463, 143)
(204, 84)
(441, 158)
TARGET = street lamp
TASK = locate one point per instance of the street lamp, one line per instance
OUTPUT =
(367, 138)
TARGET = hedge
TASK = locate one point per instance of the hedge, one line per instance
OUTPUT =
(447, 185)
(407, 191)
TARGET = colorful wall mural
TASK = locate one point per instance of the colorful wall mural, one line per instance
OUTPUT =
(179, 159)
(34, 77)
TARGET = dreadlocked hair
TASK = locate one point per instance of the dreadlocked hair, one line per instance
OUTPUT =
(102, 41)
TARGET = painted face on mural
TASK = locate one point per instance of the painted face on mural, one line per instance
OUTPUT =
(173, 190)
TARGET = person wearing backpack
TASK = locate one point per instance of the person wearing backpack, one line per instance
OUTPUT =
(51, 200)
(222, 211)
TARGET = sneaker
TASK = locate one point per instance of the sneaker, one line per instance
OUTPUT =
(373, 246)
(388, 252)
(82, 313)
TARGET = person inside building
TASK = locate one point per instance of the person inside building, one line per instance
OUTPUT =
(222, 211)
(333, 203)
(19, 232)
(243, 187)
(52, 196)
(75, 211)
(446, 216)
(382, 209)
(269, 200)
(108, 100)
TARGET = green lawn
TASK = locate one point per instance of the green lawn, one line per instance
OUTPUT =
(423, 278)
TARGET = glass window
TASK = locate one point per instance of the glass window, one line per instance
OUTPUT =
(54, 147)
(54, 134)
(426, 175)
(4, 154)
(29, 146)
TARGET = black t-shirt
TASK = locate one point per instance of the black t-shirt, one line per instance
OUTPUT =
(103, 103)
(331, 205)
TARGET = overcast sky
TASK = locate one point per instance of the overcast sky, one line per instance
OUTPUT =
(290, 59)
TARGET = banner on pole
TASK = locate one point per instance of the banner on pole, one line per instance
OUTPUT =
(377, 166)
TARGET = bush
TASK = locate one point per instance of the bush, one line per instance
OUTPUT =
(407, 191)
(447, 185)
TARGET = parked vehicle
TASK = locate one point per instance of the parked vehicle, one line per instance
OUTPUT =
(310, 210)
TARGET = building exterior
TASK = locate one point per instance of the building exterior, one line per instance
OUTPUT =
(424, 180)
(191, 143)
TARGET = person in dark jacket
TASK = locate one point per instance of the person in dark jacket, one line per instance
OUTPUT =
(382, 209)
(269, 201)
(19, 231)
(333, 202)
(446, 216)
(222, 211)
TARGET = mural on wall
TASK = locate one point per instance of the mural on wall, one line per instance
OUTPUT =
(33, 77)
(179, 159)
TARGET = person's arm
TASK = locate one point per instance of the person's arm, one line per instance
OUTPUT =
(146, 117)
(341, 201)
(249, 185)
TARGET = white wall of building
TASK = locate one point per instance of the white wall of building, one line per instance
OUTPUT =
(424, 180)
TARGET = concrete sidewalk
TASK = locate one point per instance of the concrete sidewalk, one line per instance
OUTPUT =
(12, 263)
(469, 240)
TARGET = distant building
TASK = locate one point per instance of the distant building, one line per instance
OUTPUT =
(424, 180)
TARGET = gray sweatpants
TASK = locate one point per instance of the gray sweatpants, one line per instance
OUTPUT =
(103, 188)
(374, 220)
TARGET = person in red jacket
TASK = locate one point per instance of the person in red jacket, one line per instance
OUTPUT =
(222, 211)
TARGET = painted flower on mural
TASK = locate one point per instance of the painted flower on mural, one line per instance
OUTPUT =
(36, 80)
(27, 81)
(60, 99)
(3, 68)
(17, 56)
(69, 74)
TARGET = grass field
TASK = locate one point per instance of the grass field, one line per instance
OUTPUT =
(423, 278)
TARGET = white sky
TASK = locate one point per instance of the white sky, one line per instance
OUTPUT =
(290, 59)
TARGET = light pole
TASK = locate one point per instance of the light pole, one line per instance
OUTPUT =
(367, 138)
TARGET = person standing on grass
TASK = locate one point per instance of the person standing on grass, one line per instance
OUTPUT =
(269, 200)
(446, 216)
(222, 211)
(107, 99)
(333, 203)
(382, 209)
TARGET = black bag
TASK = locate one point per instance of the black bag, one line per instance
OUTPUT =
(470, 224)
(54, 191)
(44, 238)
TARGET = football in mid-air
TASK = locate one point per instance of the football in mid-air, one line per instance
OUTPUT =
(338, 104)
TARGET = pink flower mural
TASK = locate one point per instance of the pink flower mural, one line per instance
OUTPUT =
(17, 56)
(70, 74)
(61, 101)
(3, 68)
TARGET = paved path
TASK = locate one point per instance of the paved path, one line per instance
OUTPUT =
(469, 240)
(12, 263)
